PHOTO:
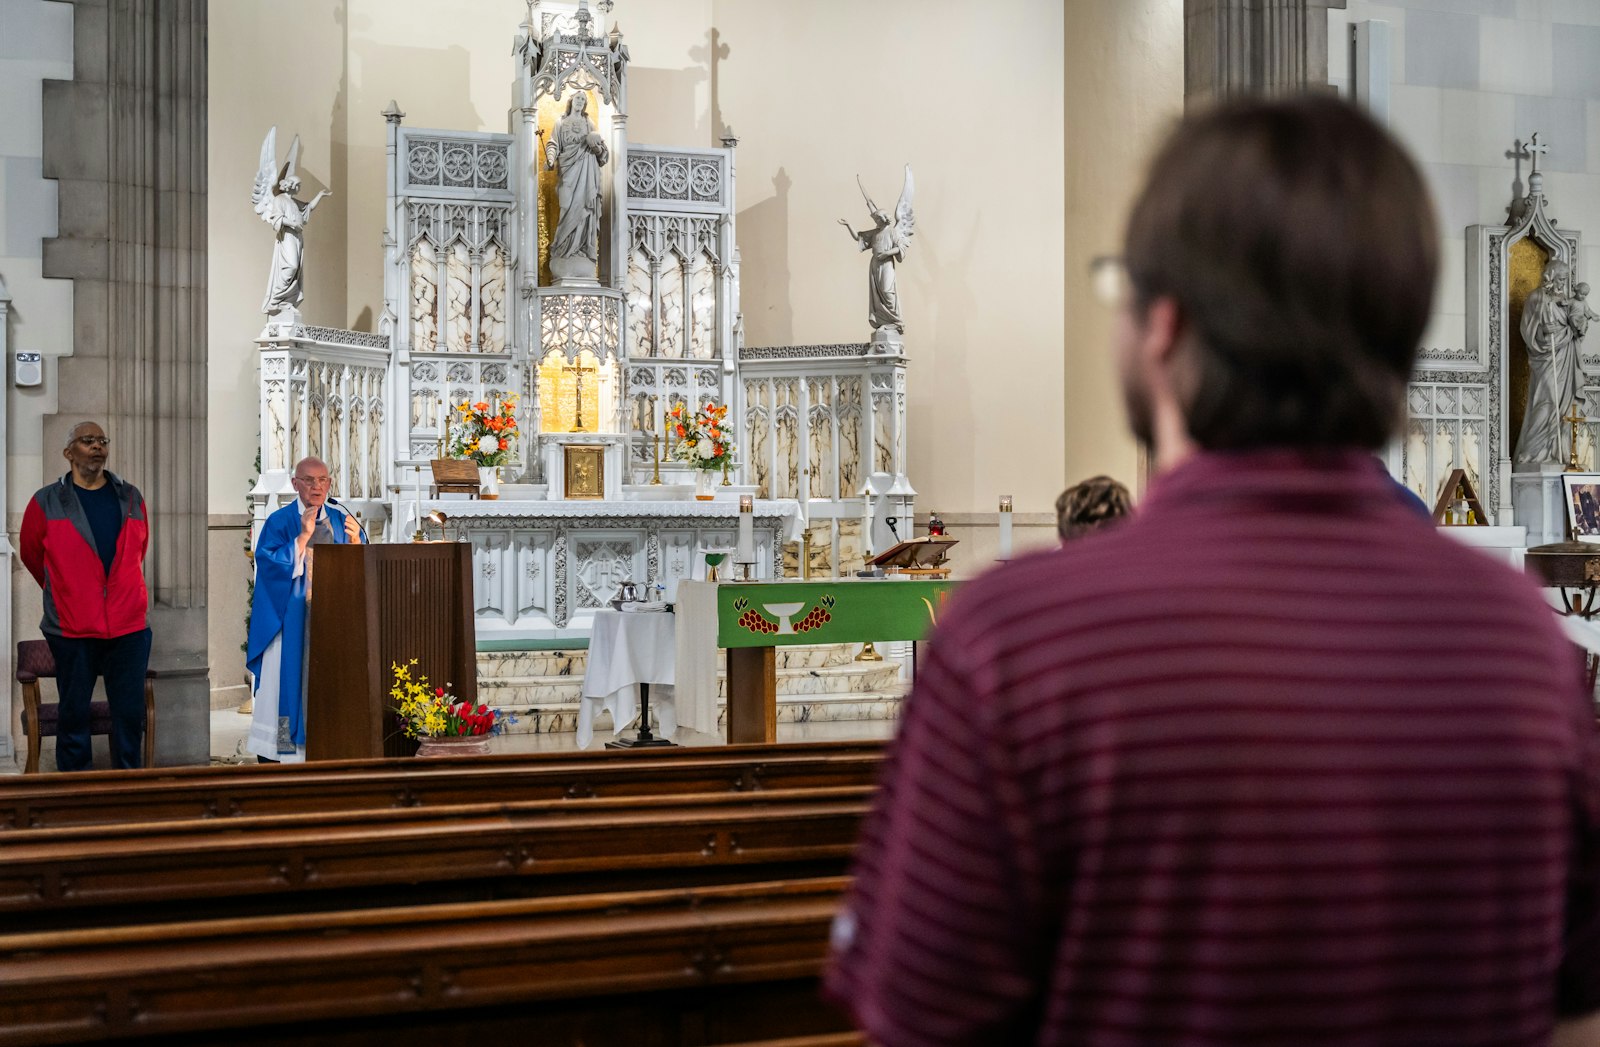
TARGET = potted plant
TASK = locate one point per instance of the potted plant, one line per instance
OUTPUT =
(443, 724)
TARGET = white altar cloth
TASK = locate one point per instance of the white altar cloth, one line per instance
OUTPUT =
(626, 650)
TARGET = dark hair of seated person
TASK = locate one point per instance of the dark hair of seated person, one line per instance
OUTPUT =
(1086, 507)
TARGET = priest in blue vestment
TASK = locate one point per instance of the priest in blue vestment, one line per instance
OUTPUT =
(275, 652)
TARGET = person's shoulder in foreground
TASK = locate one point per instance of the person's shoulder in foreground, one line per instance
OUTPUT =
(1272, 762)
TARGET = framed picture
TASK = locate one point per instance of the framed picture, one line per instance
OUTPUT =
(586, 471)
(1582, 491)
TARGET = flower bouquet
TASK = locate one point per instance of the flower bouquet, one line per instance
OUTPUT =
(701, 439)
(444, 724)
(485, 434)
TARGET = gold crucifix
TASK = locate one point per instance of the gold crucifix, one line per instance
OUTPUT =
(577, 371)
(1573, 417)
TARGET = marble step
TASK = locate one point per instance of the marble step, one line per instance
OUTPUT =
(791, 709)
(572, 662)
(521, 692)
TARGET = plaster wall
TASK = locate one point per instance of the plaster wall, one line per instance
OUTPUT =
(1124, 75)
(35, 44)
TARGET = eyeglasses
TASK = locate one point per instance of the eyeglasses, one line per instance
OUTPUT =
(94, 441)
(1108, 278)
(315, 481)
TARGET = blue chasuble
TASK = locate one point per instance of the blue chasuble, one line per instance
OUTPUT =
(279, 606)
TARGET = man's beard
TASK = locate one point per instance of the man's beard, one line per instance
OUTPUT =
(1136, 404)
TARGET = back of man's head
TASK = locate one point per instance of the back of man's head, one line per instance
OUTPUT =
(1298, 241)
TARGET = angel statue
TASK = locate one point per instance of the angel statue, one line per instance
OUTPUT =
(274, 200)
(579, 153)
(887, 241)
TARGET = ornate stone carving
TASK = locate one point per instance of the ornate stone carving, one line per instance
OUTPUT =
(457, 163)
(804, 352)
(663, 178)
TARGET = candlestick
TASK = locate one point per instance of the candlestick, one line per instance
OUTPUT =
(443, 417)
(1005, 527)
(417, 535)
(747, 529)
(655, 446)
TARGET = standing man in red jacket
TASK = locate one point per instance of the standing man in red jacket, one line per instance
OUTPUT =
(83, 539)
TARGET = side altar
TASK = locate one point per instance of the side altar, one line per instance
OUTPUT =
(595, 282)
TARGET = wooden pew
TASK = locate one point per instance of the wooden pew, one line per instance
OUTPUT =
(98, 797)
(718, 965)
(104, 875)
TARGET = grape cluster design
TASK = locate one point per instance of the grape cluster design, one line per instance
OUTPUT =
(753, 621)
(815, 618)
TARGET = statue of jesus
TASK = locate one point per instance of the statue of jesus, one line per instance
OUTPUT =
(579, 153)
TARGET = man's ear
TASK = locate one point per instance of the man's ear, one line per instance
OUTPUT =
(1162, 332)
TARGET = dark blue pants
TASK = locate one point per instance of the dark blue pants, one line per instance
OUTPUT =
(122, 661)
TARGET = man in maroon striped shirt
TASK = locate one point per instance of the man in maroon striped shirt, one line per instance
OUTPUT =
(1272, 762)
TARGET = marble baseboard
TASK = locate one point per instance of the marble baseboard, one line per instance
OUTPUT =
(500, 664)
(553, 691)
(496, 664)
(792, 709)
(844, 679)
(828, 710)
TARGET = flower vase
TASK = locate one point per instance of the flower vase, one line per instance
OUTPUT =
(488, 482)
(453, 745)
(704, 485)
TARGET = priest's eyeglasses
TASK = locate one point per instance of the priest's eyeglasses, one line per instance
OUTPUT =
(1108, 278)
(95, 441)
(315, 481)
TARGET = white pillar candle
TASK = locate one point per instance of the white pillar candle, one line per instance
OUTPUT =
(444, 420)
(747, 529)
(1005, 527)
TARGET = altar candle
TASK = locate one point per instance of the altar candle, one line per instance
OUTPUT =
(1005, 527)
(443, 419)
(747, 529)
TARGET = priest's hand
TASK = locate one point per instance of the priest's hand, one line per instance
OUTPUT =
(352, 530)
(308, 524)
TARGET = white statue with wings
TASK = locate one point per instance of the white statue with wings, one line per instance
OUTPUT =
(887, 240)
(275, 203)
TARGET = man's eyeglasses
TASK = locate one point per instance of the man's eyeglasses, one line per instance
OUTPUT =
(94, 441)
(1108, 278)
(315, 481)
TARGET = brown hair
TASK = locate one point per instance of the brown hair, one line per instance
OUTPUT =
(1298, 240)
(1091, 505)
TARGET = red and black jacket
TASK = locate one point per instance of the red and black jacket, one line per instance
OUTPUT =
(58, 549)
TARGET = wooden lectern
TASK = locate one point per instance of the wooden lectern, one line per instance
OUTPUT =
(373, 606)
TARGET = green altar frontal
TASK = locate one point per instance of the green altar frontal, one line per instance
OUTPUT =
(768, 614)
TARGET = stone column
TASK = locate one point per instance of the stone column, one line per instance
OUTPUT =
(8, 658)
(1240, 47)
(126, 141)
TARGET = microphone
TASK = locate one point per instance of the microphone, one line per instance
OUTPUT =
(341, 507)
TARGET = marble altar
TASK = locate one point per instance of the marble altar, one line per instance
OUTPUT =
(598, 327)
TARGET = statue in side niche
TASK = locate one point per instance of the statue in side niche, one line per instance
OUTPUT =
(578, 153)
(1554, 322)
(887, 240)
(274, 200)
